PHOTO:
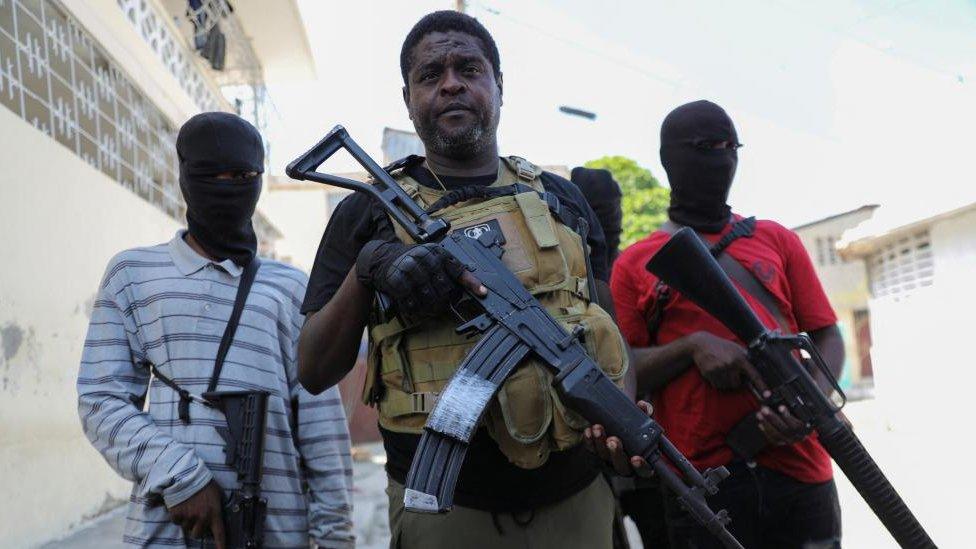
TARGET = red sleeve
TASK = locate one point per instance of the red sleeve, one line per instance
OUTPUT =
(810, 306)
(626, 290)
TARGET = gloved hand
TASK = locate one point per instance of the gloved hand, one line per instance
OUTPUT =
(422, 280)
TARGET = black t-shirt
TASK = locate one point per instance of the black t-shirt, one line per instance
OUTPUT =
(487, 479)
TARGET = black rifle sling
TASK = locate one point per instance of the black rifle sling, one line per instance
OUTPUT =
(243, 288)
(247, 278)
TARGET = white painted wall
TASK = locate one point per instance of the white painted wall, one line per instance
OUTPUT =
(300, 211)
(921, 340)
(60, 220)
(924, 380)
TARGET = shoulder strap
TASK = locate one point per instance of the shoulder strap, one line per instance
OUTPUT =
(243, 288)
(748, 281)
(744, 228)
(247, 278)
(402, 163)
(525, 170)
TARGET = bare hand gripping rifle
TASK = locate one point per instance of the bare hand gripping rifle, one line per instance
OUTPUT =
(685, 264)
(513, 325)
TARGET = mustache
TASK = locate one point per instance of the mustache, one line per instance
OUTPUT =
(456, 105)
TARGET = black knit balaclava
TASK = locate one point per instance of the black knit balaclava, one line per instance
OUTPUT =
(700, 175)
(603, 195)
(218, 211)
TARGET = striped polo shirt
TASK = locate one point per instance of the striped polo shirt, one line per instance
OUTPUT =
(168, 305)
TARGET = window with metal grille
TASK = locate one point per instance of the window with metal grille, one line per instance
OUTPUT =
(902, 266)
(54, 75)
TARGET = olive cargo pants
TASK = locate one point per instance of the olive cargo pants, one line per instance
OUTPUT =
(583, 520)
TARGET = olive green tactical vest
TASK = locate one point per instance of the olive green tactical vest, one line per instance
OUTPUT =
(410, 364)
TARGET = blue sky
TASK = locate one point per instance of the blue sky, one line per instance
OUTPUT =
(839, 102)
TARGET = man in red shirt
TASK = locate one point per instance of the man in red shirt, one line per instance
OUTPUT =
(782, 495)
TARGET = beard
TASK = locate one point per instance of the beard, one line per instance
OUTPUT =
(460, 143)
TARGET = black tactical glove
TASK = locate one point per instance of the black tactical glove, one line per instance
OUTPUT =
(421, 280)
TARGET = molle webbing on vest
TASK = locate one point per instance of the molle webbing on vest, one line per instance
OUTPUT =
(472, 192)
(410, 363)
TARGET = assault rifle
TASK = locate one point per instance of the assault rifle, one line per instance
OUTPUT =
(245, 511)
(685, 264)
(513, 325)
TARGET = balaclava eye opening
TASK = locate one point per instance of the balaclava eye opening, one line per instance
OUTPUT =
(700, 176)
(218, 211)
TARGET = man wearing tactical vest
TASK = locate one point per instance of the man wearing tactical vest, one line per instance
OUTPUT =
(781, 493)
(526, 480)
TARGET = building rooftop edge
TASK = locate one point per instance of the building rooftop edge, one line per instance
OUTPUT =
(858, 245)
(835, 216)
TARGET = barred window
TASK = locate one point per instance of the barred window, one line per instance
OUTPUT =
(56, 77)
(902, 266)
(821, 253)
(832, 250)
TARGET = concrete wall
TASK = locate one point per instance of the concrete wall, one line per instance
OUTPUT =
(920, 339)
(61, 221)
(300, 211)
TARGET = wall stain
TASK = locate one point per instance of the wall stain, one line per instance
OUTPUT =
(11, 337)
(17, 346)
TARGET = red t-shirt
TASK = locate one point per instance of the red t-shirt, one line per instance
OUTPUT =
(695, 415)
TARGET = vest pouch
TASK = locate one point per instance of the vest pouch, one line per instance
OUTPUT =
(544, 233)
(526, 418)
(567, 425)
(606, 347)
(518, 418)
(417, 363)
(604, 344)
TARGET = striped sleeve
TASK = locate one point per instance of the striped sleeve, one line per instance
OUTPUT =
(111, 393)
(323, 441)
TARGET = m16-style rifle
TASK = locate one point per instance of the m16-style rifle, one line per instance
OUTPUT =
(244, 512)
(513, 325)
(685, 264)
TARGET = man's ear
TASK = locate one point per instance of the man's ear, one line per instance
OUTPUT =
(406, 99)
(500, 88)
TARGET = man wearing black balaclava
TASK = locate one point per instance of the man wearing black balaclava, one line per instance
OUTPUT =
(221, 159)
(160, 313)
(698, 151)
(602, 193)
(781, 493)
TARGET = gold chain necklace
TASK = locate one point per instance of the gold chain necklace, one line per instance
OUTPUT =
(427, 165)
